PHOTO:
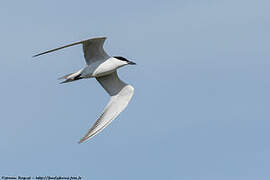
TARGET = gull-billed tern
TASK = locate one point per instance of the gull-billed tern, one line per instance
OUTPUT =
(103, 67)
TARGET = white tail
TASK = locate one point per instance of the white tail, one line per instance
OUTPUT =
(71, 77)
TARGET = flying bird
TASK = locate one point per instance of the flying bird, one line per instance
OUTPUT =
(103, 67)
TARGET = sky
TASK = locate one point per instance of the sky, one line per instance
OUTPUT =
(201, 104)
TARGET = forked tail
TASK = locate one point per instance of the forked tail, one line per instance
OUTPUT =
(71, 77)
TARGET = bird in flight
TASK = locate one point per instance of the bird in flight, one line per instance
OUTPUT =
(103, 67)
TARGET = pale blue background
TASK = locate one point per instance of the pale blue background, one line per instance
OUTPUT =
(202, 83)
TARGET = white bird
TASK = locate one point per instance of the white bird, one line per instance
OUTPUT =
(104, 68)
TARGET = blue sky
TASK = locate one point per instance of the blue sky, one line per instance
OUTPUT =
(201, 103)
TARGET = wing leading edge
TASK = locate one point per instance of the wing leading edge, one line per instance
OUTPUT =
(92, 49)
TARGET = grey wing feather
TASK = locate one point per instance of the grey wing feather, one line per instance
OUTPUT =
(121, 94)
(52, 50)
(111, 83)
(92, 48)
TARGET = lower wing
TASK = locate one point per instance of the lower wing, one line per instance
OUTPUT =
(121, 94)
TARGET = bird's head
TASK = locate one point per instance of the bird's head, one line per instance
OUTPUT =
(124, 61)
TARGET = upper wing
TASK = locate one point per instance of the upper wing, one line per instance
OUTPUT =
(121, 94)
(92, 49)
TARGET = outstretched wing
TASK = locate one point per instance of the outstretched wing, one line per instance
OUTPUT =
(92, 49)
(121, 93)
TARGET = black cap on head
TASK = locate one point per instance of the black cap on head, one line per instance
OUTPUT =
(124, 59)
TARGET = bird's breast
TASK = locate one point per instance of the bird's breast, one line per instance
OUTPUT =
(104, 68)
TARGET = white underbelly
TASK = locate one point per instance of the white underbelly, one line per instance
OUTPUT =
(97, 70)
(104, 69)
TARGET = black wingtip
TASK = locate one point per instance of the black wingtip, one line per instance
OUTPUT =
(36, 55)
(63, 82)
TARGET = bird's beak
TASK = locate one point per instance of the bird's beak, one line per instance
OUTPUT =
(131, 63)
